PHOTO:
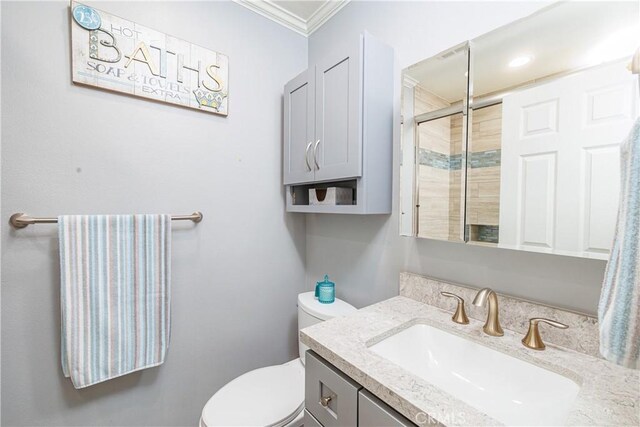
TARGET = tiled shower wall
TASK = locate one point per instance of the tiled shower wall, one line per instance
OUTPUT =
(455, 181)
(434, 153)
(483, 174)
(440, 158)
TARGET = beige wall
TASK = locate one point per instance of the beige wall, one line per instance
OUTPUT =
(487, 129)
(455, 184)
(434, 135)
(441, 191)
(433, 214)
(483, 202)
(425, 101)
(434, 203)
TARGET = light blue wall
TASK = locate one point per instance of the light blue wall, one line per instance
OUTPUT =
(73, 149)
(365, 254)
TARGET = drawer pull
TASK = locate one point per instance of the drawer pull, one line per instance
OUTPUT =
(325, 401)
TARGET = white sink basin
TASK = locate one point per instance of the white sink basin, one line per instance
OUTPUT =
(507, 389)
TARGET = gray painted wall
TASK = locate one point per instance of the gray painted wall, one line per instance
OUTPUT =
(71, 149)
(235, 276)
(365, 254)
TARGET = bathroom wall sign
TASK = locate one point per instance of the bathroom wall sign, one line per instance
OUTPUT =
(115, 54)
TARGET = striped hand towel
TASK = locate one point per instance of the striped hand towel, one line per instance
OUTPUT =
(115, 294)
(619, 308)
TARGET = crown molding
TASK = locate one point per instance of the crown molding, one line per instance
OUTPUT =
(324, 12)
(290, 20)
(408, 81)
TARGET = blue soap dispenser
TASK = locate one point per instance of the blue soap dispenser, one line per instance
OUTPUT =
(326, 291)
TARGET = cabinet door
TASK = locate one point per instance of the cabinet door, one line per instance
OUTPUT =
(337, 150)
(373, 412)
(330, 396)
(299, 130)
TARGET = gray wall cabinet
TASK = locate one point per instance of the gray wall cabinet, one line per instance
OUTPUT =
(338, 146)
(332, 399)
(299, 129)
(338, 129)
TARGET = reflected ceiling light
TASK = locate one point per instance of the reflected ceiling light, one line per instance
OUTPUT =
(618, 45)
(519, 61)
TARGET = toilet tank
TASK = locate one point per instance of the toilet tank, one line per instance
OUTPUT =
(310, 312)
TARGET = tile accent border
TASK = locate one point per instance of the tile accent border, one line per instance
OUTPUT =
(582, 335)
(485, 159)
(480, 159)
(434, 159)
(485, 233)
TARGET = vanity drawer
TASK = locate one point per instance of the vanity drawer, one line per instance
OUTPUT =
(310, 420)
(330, 396)
(373, 412)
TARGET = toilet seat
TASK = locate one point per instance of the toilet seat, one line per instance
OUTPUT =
(271, 396)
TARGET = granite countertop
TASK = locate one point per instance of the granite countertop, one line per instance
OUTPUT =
(609, 394)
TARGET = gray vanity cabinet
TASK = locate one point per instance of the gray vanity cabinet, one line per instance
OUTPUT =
(332, 399)
(338, 130)
(373, 412)
(330, 396)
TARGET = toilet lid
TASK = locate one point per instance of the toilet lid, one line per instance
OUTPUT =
(270, 396)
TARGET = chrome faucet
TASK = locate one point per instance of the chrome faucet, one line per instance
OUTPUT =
(492, 326)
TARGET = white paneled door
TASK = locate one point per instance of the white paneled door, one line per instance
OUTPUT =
(561, 163)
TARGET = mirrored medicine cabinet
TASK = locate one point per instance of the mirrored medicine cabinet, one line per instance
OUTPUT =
(512, 140)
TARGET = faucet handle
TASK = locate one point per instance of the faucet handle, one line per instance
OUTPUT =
(460, 316)
(533, 339)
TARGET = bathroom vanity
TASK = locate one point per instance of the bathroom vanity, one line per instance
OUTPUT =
(334, 399)
(404, 361)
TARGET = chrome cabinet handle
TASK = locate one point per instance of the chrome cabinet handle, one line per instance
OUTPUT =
(460, 316)
(315, 154)
(533, 340)
(306, 156)
(324, 401)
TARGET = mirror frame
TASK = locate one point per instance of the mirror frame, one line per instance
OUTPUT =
(464, 108)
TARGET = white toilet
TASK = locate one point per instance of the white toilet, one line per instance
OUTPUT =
(271, 396)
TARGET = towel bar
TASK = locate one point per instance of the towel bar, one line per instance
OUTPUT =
(21, 220)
